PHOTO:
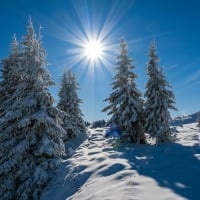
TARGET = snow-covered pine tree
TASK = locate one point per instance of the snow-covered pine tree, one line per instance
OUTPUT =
(9, 79)
(30, 135)
(159, 99)
(70, 103)
(125, 102)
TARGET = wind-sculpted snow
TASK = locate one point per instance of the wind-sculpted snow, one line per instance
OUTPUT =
(100, 170)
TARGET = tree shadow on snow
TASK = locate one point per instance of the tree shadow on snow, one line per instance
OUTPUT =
(172, 166)
(69, 177)
(75, 142)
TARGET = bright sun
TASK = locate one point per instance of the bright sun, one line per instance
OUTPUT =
(93, 50)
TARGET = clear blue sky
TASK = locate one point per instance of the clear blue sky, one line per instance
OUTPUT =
(174, 24)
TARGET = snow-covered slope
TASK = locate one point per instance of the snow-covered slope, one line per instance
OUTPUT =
(188, 119)
(99, 170)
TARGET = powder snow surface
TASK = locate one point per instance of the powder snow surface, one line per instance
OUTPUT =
(101, 170)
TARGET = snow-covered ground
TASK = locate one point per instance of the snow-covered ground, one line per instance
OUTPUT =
(99, 170)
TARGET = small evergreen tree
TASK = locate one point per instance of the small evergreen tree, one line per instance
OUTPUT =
(70, 104)
(125, 102)
(159, 99)
(30, 135)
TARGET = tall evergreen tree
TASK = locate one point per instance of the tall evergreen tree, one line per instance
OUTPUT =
(70, 103)
(159, 99)
(30, 135)
(10, 74)
(125, 102)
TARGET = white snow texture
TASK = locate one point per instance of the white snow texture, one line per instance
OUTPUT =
(100, 170)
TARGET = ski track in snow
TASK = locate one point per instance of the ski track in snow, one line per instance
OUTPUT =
(101, 171)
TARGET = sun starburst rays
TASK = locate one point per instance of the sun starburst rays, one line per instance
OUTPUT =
(89, 38)
(90, 52)
(91, 47)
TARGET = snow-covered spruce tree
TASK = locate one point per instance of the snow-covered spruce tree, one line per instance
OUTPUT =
(30, 135)
(70, 103)
(159, 99)
(125, 102)
(9, 79)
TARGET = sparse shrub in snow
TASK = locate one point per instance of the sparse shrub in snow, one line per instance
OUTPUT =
(69, 102)
(125, 102)
(159, 99)
(30, 135)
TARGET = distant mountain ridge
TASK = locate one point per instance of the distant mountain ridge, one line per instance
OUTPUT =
(185, 119)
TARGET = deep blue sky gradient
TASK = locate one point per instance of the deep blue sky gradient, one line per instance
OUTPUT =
(173, 24)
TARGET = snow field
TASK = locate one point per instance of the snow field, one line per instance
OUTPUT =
(99, 170)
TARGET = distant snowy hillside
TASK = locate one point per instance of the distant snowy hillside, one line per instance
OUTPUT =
(188, 119)
(99, 170)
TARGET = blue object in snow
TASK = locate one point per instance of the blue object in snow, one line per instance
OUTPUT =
(113, 131)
